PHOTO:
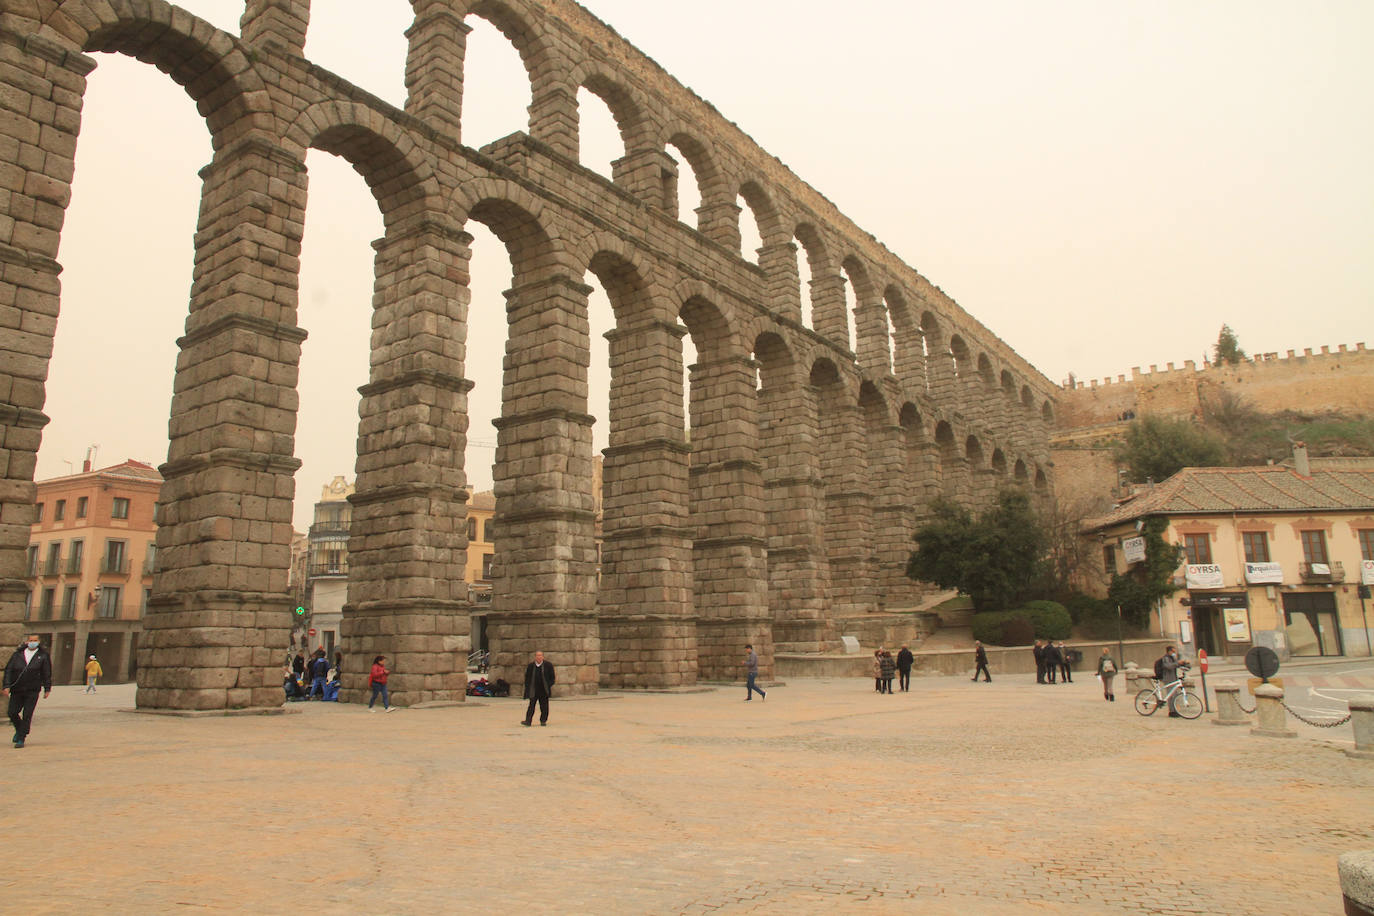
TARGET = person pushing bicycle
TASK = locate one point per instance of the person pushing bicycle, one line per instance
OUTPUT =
(1167, 670)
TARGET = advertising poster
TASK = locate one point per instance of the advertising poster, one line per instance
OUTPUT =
(1203, 575)
(1133, 549)
(1367, 572)
(1264, 573)
(1237, 626)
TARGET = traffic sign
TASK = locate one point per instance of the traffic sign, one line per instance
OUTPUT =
(312, 631)
(1202, 660)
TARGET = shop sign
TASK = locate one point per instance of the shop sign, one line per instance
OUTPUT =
(1367, 572)
(1264, 573)
(1228, 599)
(1203, 575)
(1237, 625)
(1133, 549)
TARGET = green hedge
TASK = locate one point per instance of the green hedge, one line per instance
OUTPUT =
(1037, 620)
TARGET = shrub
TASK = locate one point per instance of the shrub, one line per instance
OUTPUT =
(1051, 619)
(1003, 628)
(1082, 607)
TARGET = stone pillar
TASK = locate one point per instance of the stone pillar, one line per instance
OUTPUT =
(554, 120)
(42, 85)
(80, 635)
(407, 551)
(1356, 871)
(651, 176)
(544, 583)
(782, 284)
(798, 593)
(848, 506)
(909, 360)
(434, 67)
(894, 525)
(216, 624)
(280, 22)
(954, 477)
(827, 308)
(648, 634)
(1362, 724)
(870, 340)
(1229, 711)
(729, 564)
(719, 222)
(1273, 722)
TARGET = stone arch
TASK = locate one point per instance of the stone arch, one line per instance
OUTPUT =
(1019, 472)
(771, 229)
(986, 372)
(973, 451)
(962, 358)
(998, 463)
(626, 105)
(1027, 398)
(1009, 386)
(1042, 483)
(201, 59)
(776, 362)
(516, 218)
(396, 172)
(710, 180)
(953, 464)
(826, 282)
(1047, 412)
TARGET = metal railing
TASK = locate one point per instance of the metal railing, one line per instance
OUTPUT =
(114, 566)
(1324, 572)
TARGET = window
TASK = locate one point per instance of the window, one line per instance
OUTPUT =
(143, 608)
(1256, 546)
(69, 602)
(81, 507)
(1366, 537)
(28, 605)
(59, 510)
(1198, 547)
(486, 565)
(150, 560)
(489, 531)
(1109, 559)
(54, 564)
(107, 605)
(32, 566)
(472, 530)
(39, 516)
(119, 507)
(1313, 546)
(74, 558)
(45, 605)
(114, 558)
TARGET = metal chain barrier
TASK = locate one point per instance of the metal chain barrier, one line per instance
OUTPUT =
(1331, 724)
(1242, 705)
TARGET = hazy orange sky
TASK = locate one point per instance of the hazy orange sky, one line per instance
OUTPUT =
(1101, 184)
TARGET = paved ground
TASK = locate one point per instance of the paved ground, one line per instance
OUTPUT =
(953, 799)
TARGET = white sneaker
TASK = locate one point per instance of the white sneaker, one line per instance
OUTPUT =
(370, 709)
(391, 709)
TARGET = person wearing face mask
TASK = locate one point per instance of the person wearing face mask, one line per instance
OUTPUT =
(29, 671)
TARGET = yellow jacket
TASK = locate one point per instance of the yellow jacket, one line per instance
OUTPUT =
(93, 669)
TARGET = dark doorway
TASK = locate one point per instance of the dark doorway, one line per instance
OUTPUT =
(1206, 627)
(1311, 624)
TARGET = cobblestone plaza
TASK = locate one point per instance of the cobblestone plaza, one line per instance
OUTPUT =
(953, 798)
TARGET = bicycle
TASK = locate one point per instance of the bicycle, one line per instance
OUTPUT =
(1186, 703)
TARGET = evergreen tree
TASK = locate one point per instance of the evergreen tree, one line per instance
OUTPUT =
(1227, 349)
(994, 558)
(1157, 449)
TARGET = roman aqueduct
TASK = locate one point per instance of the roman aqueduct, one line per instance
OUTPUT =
(788, 505)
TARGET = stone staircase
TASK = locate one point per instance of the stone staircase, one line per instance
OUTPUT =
(891, 630)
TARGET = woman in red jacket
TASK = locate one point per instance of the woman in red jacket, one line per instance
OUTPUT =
(377, 681)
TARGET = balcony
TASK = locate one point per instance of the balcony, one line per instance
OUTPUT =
(114, 566)
(74, 566)
(323, 570)
(1321, 573)
(53, 567)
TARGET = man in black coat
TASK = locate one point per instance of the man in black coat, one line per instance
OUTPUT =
(1052, 660)
(1039, 662)
(980, 661)
(904, 660)
(29, 671)
(539, 680)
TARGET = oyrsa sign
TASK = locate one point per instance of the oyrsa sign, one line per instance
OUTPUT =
(1203, 575)
(1134, 550)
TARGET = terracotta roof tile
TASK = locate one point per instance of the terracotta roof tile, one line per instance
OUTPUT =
(1262, 489)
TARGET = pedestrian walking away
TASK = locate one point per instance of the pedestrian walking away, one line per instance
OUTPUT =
(751, 673)
(93, 674)
(888, 667)
(904, 660)
(1065, 660)
(28, 672)
(1106, 670)
(377, 681)
(539, 681)
(980, 660)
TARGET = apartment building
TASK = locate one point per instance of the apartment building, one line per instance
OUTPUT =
(90, 567)
(1279, 556)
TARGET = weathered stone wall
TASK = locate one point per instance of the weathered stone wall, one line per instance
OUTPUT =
(1328, 380)
(783, 507)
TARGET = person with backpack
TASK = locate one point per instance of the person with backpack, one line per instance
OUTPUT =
(1167, 670)
(319, 674)
(1065, 663)
(1106, 672)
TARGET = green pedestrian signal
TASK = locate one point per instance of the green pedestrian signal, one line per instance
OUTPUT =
(300, 612)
